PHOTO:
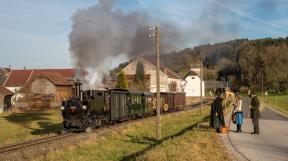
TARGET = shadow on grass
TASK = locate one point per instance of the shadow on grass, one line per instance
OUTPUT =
(27, 119)
(152, 142)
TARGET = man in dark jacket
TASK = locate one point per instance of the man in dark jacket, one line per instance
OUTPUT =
(254, 110)
(217, 116)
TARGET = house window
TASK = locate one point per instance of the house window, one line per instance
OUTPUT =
(193, 77)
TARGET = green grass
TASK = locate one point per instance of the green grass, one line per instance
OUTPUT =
(19, 126)
(193, 145)
(278, 101)
(135, 141)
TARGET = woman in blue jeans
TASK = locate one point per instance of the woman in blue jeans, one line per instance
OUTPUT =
(238, 112)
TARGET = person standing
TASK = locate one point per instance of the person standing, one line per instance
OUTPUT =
(216, 115)
(238, 113)
(255, 113)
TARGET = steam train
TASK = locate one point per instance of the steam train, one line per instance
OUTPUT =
(95, 108)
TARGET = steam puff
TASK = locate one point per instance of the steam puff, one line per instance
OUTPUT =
(100, 33)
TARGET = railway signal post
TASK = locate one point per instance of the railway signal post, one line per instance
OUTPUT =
(156, 35)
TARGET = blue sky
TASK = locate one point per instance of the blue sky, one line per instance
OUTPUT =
(34, 33)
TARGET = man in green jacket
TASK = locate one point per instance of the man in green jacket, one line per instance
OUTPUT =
(254, 110)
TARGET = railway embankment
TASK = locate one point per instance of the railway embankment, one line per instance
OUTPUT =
(185, 136)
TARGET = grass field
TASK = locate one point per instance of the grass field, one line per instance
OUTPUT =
(19, 126)
(181, 140)
(279, 101)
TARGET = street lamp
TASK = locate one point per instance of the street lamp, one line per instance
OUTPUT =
(155, 34)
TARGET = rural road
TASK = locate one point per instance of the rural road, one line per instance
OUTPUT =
(270, 145)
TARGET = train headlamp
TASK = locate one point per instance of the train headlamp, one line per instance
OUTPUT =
(84, 107)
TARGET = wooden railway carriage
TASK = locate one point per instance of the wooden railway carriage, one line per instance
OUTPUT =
(150, 102)
(140, 103)
(179, 101)
(166, 99)
(126, 104)
(172, 101)
(118, 100)
(98, 105)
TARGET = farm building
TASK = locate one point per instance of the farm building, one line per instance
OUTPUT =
(46, 90)
(4, 72)
(5, 98)
(192, 85)
(18, 79)
(169, 81)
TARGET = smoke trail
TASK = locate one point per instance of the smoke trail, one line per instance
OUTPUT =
(100, 34)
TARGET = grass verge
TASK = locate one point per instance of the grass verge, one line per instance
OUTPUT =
(19, 126)
(135, 141)
(278, 101)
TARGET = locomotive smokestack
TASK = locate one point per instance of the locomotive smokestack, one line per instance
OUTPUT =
(77, 88)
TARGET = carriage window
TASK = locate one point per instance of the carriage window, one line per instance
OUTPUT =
(100, 94)
(135, 99)
(138, 100)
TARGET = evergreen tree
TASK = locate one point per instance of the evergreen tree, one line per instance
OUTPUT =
(139, 79)
(121, 81)
(139, 75)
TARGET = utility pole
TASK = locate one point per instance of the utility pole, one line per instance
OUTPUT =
(201, 79)
(262, 84)
(156, 35)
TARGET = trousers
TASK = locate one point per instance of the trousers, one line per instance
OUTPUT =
(238, 127)
(255, 122)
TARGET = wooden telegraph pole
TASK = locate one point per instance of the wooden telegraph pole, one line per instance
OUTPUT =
(262, 84)
(201, 79)
(156, 36)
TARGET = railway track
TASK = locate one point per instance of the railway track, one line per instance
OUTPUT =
(15, 147)
(18, 146)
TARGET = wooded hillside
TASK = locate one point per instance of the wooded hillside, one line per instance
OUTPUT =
(241, 61)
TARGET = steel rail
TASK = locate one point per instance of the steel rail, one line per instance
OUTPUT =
(22, 145)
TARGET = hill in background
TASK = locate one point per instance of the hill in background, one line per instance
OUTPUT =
(243, 62)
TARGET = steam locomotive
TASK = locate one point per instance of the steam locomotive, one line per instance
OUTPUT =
(95, 108)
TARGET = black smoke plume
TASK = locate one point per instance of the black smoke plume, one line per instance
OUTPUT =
(101, 37)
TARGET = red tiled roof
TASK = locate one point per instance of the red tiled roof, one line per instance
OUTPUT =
(5, 92)
(169, 72)
(56, 78)
(18, 78)
(67, 73)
